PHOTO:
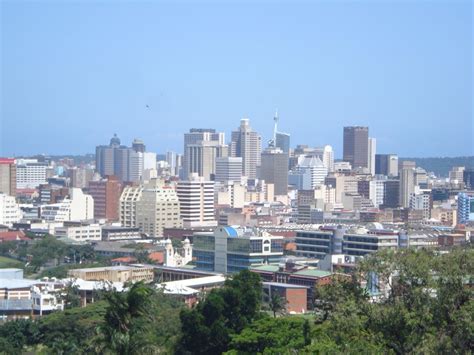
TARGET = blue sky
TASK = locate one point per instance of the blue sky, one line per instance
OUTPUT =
(73, 73)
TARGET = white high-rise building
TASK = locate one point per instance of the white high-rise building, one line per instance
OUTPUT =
(30, 173)
(128, 203)
(247, 144)
(376, 191)
(371, 159)
(196, 201)
(228, 169)
(328, 158)
(308, 174)
(135, 165)
(422, 201)
(9, 210)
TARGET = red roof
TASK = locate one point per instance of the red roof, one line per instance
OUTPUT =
(125, 259)
(7, 161)
(12, 236)
(157, 257)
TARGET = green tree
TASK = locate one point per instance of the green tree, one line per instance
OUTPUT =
(276, 304)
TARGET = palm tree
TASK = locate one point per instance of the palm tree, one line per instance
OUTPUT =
(277, 303)
(126, 320)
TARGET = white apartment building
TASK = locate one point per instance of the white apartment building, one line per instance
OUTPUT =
(376, 192)
(9, 210)
(196, 201)
(128, 203)
(30, 173)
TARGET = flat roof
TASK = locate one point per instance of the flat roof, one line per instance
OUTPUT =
(17, 283)
(313, 272)
(112, 268)
(281, 284)
(197, 282)
(268, 267)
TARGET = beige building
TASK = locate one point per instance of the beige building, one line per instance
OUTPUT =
(114, 274)
(128, 203)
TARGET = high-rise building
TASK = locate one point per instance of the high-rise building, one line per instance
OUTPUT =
(247, 144)
(196, 138)
(78, 206)
(106, 194)
(468, 177)
(422, 201)
(407, 186)
(465, 208)
(456, 174)
(391, 194)
(371, 155)
(7, 176)
(30, 173)
(128, 205)
(386, 164)
(356, 146)
(196, 202)
(282, 141)
(274, 169)
(309, 173)
(9, 210)
(201, 158)
(228, 169)
(328, 158)
(123, 162)
(80, 177)
(157, 209)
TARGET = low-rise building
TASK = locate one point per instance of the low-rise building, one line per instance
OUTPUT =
(114, 274)
(79, 232)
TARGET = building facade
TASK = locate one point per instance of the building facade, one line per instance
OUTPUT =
(356, 146)
(247, 144)
(7, 176)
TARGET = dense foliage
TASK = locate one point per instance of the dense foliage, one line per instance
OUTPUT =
(425, 304)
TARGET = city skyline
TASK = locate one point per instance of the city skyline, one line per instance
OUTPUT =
(402, 69)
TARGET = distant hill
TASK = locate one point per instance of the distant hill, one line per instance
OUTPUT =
(442, 166)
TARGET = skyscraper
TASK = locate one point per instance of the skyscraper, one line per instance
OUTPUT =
(123, 162)
(386, 164)
(247, 144)
(274, 169)
(8, 176)
(196, 202)
(465, 208)
(356, 146)
(228, 169)
(407, 186)
(371, 155)
(201, 158)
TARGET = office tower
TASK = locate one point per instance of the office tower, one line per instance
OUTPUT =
(123, 162)
(105, 157)
(377, 191)
(201, 158)
(422, 201)
(80, 177)
(391, 194)
(106, 194)
(309, 173)
(468, 177)
(149, 160)
(328, 158)
(128, 205)
(30, 173)
(196, 138)
(356, 146)
(138, 145)
(228, 169)
(229, 250)
(386, 164)
(407, 185)
(465, 208)
(7, 176)
(421, 178)
(282, 141)
(274, 169)
(157, 208)
(247, 144)
(196, 202)
(456, 174)
(9, 210)
(371, 155)
(406, 164)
